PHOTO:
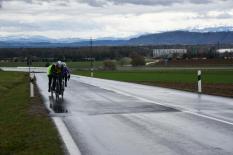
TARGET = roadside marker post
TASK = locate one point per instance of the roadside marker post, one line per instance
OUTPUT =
(92, 60)
(199, 82)
(31, 77)
(92, 72)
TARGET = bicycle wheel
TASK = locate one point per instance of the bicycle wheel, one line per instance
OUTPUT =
(62, 94)
(51, 88)
(57, 90)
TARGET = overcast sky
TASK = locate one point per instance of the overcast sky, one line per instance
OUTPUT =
(109, 18)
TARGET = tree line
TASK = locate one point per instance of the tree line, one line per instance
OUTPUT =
(102, 52)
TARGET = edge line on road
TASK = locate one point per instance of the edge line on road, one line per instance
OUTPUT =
(208, 117)
(185, 110)
(71, 146)
(64, 133)
(178, 107)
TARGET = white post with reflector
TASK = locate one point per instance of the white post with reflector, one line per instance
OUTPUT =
(199, 81)
(32, 77)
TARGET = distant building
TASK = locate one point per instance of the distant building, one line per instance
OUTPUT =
(229, 50)
(165, 53)
(226, 53)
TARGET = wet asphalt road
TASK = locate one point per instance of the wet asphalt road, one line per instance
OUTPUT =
(116, 118)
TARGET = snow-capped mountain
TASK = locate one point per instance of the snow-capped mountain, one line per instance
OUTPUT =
(37, 39)
(192, 36)
(212, 29)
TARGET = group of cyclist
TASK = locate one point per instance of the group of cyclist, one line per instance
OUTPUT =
(57, 71)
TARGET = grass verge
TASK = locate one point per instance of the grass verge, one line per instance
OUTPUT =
(215, 82)
(25, 127)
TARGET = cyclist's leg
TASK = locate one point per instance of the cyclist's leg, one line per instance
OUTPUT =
(50, 81)
(60, 81)
(65, 80)
(54, 82)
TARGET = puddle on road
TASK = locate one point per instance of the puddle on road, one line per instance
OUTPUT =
(149, 108)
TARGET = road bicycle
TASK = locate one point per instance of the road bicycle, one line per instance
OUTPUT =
(57, 90)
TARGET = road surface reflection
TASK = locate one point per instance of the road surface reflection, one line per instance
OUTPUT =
(58, 106)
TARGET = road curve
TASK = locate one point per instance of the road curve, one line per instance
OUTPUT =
(116, 118)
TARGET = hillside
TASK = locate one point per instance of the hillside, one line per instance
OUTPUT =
(183, 37)
(168, 38)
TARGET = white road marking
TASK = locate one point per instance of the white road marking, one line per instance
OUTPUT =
(209, 117)
(66, 137)
(70, 144)
(183, 109)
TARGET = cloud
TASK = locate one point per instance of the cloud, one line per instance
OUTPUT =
(109, 18)
(224, 16)
(219, 15)
(149, 2)
(95, 3)
(0, 4)
(100, 3)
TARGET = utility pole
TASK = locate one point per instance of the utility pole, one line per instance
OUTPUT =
(218, 45)
(92, 59)
(31, 77)
(29, 63)
(91, 44)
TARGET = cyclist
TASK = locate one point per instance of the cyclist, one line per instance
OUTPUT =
(65, 73)
(50, 73)
(58, 74)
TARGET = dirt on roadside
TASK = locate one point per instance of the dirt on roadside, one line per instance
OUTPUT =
(36, 104)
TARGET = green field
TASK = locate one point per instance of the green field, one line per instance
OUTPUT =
(21, 64)
(84, 64)
(214, 82)
(25, 127)
(178, 76)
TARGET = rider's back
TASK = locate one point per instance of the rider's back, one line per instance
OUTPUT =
(58, 70)
(49, 70)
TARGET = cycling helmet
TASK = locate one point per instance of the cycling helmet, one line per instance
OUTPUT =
(64, 64)
(59, 64)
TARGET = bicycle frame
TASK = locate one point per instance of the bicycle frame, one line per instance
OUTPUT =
(58, 91)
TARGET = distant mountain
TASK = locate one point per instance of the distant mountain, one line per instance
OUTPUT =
(40, 41)
(170, 38)
(183, 37)
(37, 39)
